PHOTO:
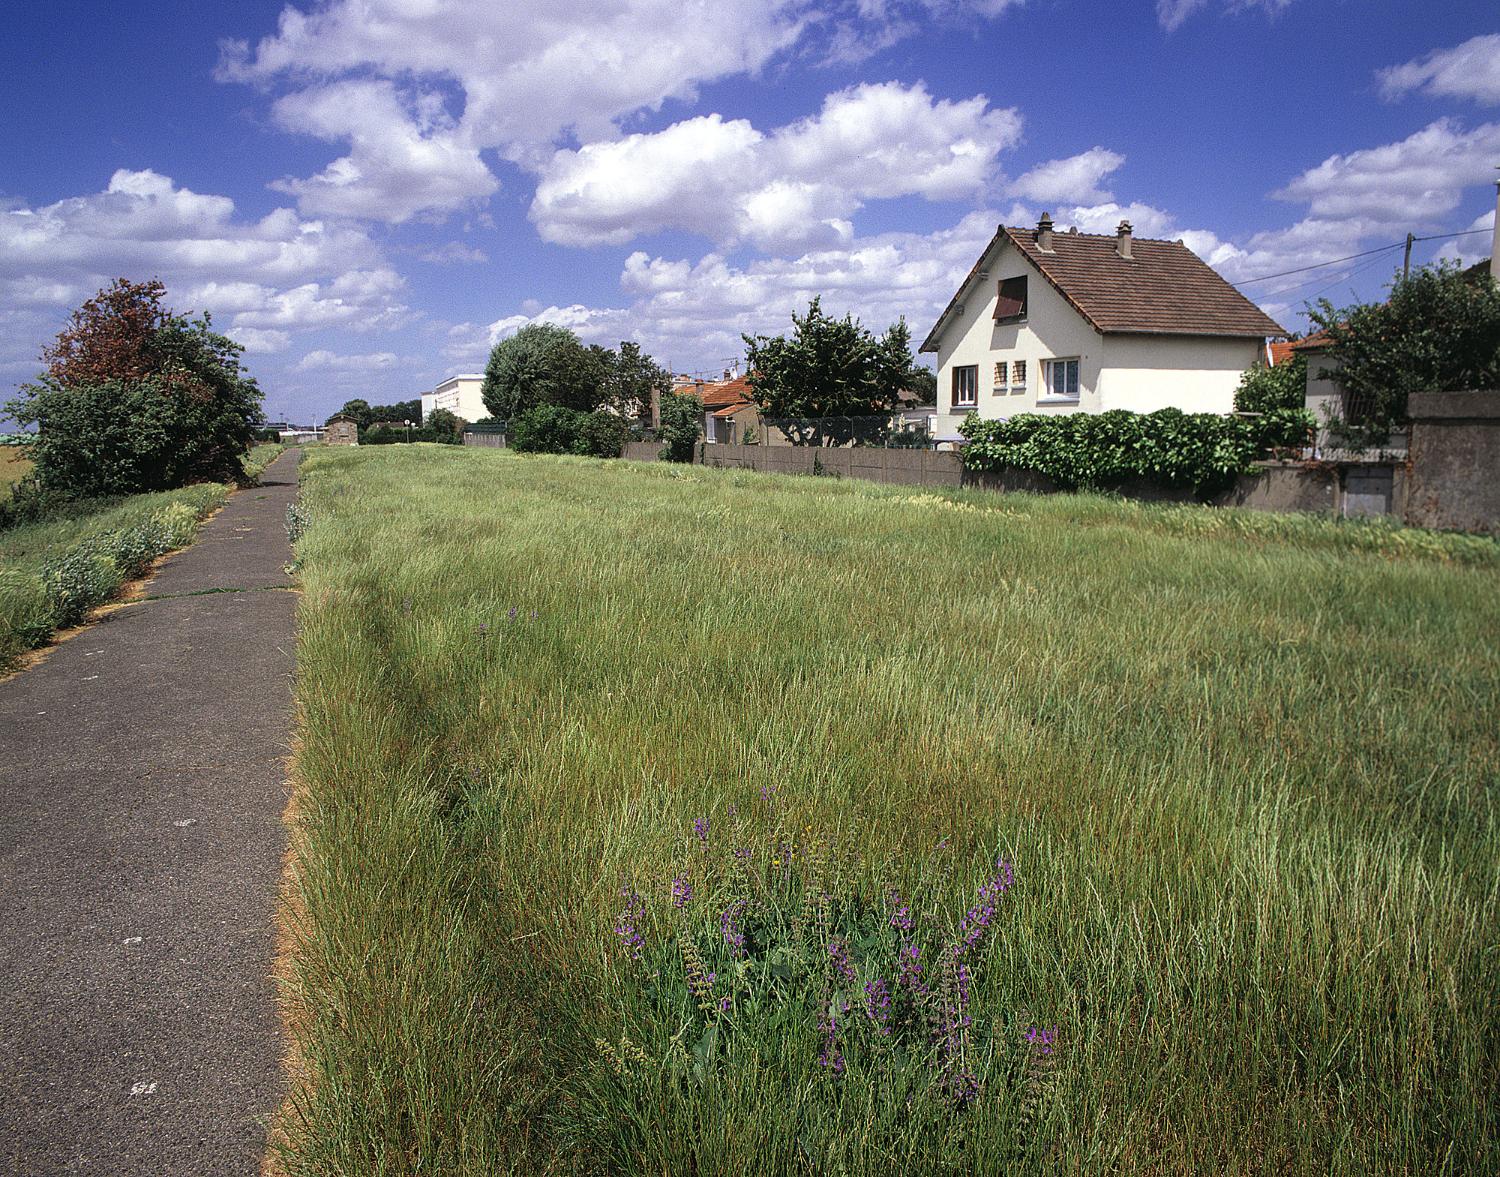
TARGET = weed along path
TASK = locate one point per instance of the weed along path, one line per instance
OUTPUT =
(141, 793)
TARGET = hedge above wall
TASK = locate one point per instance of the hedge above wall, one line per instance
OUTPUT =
(1098, 451)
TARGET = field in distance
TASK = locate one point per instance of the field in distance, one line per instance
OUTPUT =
(661, 819)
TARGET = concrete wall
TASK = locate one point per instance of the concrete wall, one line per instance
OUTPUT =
(642, 451)
(906, 467)
(493, 440)
(1454, 480)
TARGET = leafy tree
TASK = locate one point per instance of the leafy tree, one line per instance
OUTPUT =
(630, 379)
(681, 417)
(400, 411)
(921, 382)
(359, 410)
(1438, 332)
(541, 364)
(136, 397)
(828, 368)
(443, 426)
(1264, 389)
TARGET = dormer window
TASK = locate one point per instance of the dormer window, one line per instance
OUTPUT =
(1010, 305)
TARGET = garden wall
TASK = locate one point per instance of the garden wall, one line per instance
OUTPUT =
(1455, 461)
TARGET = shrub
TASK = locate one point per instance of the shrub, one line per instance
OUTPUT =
(1170, 448)
(136, 398)
(602, 435)
(546, 429)
(1265, 389)
(681, 416)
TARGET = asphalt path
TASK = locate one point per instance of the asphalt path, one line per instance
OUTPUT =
(142, 783)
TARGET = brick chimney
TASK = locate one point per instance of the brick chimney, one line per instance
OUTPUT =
(1123, 236)
(1044, 233)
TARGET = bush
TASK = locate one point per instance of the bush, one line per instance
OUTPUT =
(681, 416)
(602, 435)
(136, 398)
(1265, 389)
(546, 429)
(1170, 448)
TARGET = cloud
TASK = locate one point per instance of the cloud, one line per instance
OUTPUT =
(1170, 14)
(322, 360)
(791, 187)
(1470, 70)
(263, 280)
(406, 158)
(1075, 180)
(1412, 183)
(420, 88)
(453, 253)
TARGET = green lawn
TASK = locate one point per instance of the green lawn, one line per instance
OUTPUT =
(1243, 769)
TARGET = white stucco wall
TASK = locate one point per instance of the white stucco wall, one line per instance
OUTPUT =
(460, 395)
(1052, 330)
(1196, 374)
(1324, 398)
(1138, 372)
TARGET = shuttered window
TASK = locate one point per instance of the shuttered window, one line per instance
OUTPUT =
(1010, 305)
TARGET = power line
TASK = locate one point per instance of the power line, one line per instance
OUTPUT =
(1353, 256)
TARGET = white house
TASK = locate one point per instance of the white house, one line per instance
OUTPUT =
(459, 395)
(1082, 322)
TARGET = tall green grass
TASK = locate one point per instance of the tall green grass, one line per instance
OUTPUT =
(1245, 773)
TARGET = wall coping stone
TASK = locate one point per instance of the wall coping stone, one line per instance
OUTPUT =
(1454, 406)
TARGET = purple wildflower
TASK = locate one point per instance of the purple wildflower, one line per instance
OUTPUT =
(766, 792)
(742, 856)
(483, 629)
(511, 613)
(976, 921)
(838, 952)
(682, 891)
(729, 924)
(831, 1058)
(1041, 1041)
(910, 976)
(732, 811)
(901, 917)
(627, 928)
(533, 615)
(700, 827)
(878, 1005)
(724, 1004)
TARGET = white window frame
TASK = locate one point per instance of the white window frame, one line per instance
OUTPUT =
(973, 391)
(1072, 387)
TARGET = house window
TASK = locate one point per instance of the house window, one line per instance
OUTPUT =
(1061, 377)
(1010, 302)
(1000, 366)
(966, 386)
(1018, 377)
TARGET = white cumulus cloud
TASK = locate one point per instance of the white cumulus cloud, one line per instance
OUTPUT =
(1470, 70)
(1075, 180)
(791, 187)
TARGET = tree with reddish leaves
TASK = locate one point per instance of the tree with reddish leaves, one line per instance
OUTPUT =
(136, 398)
(111, 336)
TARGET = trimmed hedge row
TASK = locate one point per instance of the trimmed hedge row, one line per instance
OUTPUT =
(1099, 451)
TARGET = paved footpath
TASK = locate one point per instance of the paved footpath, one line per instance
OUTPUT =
(141, 790)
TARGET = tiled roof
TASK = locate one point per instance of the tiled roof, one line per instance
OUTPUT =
(1314, 342)
(1164, 289)
(722, 393)
(1282, 352)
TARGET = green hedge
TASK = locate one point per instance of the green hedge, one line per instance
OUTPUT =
(1099, 451)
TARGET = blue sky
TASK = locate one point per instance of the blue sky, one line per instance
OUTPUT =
(369, 194)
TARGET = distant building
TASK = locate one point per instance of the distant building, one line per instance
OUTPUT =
(341, 430)
(460, 395)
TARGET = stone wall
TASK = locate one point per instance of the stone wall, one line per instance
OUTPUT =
(1454, 480)
(906, 467)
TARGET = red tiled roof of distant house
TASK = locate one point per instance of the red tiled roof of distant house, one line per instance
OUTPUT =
(1281, 351)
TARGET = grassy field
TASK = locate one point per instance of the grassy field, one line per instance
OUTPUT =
(14, 466)
(666, 820)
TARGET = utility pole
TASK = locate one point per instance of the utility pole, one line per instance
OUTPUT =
(1406, 265)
